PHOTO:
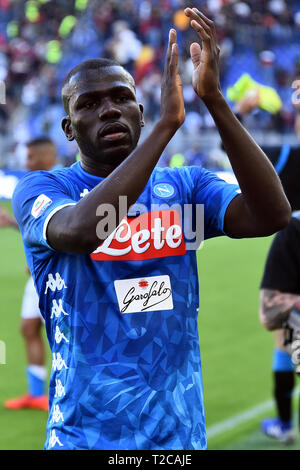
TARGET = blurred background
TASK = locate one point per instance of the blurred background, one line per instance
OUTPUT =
(40, 41)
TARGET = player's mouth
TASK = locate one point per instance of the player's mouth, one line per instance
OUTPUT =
(113, 132)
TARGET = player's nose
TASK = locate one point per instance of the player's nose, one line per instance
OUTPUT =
(109, 110)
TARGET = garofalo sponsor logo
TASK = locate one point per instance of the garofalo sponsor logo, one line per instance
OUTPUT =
(146, 294)
(164, 230)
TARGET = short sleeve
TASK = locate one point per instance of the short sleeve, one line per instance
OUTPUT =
(36, 198)
(216, 194)
(282, 269)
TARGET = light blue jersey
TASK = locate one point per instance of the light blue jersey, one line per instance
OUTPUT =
(122, 322)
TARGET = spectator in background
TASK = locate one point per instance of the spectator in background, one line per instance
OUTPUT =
(123, 46)
(38, 42)
(195, 156)
(285, 158)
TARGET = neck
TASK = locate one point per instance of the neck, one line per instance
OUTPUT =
(96, 169)
(102, 167)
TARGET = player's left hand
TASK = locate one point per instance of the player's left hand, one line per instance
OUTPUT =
(172, 102)
(206, 82)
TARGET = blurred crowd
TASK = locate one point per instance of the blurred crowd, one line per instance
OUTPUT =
(40, 40)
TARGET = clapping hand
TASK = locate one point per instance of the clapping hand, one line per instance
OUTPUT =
(206, 58)
(172, 103)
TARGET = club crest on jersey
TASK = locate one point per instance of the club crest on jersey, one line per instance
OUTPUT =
(155, 234)
(40, 205)
(164, 190)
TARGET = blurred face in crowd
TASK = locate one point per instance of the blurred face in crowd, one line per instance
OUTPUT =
(40, 157)
(104, 118)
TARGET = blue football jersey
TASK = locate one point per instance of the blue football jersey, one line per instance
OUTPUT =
(122, 321)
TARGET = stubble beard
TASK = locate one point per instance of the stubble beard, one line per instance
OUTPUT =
(106, 156)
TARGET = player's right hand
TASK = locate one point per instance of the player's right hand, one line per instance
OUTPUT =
(172, 102)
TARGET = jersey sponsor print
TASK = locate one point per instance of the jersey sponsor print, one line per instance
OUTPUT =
(151, 235)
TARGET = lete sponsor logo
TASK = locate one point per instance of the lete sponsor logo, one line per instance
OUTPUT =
(40, 205)
(147, 294)
(155, 234)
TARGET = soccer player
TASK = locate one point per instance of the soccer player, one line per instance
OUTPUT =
(41, 155)
(286, 161)
(280, 294)
(118, 287)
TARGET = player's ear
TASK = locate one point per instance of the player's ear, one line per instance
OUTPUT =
(67, 127)
(141, 115)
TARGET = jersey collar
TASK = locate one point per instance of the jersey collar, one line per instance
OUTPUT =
(84, 176)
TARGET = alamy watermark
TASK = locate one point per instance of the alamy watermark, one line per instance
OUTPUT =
(160, 224)
(2, 92)
(2, 352)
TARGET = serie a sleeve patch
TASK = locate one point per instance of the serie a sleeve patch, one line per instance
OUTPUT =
(40, 205)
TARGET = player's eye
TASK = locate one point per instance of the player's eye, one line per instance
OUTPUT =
(89, 104)
(122, 98)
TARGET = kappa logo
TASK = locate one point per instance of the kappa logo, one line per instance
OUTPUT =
(57, 415)
(53, 440)
(57, 309)
(40, 205)
(59, 389)
(84, 192)
(163, 190)
(57, 362)
(154, 234)
(55, 283)
(59, 336)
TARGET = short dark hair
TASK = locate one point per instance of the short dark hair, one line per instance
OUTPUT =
(90, 64)
(40, 141)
